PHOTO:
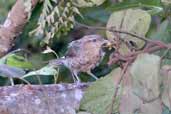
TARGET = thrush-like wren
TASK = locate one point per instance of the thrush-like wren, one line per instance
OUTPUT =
(83, 55)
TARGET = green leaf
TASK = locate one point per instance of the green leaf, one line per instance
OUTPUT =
(164, 32)
(166, 2)
(134, 21)
(43, 71)
(98, 97)
(145, 75)
(18, 61)
(153, 4)
(166, 94)
(166, 110)
(84, 3)
(3, 59)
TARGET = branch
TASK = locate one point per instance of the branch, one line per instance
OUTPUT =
(125, 67)
(14, 24)
(116, 57)
(41, 99)
(112, 29)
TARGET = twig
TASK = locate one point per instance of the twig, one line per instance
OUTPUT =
(111, 29)
(117, 86)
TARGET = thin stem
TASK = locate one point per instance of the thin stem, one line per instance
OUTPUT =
(111, 29)
(117, 86)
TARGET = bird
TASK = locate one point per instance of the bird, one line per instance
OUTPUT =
(83, 55)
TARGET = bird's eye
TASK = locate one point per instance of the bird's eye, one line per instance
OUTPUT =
(105, 45)
(94, 40)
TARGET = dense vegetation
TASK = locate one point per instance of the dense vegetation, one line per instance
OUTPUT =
(134, 77)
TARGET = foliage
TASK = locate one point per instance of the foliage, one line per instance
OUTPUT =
(121, 20)
(145, 83)
(4, 8)
(98, 96)
(57, 17)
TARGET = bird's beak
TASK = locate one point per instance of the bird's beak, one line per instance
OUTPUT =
(108, 45)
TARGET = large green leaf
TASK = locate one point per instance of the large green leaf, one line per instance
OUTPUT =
(43, 71)
(145, 75)
(135, 21)
(18, 61)
(98, 97)
(141, 87)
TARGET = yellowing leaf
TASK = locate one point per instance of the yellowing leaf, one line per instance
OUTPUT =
(132, 20)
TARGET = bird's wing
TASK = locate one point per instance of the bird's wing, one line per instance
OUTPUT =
(73, 49)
